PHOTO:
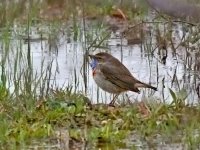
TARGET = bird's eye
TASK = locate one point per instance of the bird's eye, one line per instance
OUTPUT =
(99, 58)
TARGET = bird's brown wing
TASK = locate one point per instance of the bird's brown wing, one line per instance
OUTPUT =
(119, 75)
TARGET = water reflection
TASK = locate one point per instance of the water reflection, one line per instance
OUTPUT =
(179, 71)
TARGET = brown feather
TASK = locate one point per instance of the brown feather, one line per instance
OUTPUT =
(119, 75)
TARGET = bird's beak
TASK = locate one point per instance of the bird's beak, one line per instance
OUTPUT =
(91, 56)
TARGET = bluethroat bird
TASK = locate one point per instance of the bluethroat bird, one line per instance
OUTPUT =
(113, 77)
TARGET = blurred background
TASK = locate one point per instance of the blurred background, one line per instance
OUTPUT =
(44, 45)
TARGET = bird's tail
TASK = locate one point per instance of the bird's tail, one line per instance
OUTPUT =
(144, 85)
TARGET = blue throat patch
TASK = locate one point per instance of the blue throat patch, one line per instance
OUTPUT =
(93, 64)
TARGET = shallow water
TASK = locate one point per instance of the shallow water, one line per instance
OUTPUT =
(66, 56)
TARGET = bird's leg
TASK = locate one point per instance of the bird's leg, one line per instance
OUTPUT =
(113, 100)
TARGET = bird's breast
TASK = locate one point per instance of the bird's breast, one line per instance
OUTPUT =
(104, 83)
(94, 71)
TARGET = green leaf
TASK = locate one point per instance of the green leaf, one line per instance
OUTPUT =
(173, 96)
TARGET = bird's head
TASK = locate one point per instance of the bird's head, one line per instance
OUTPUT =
(99, 58)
